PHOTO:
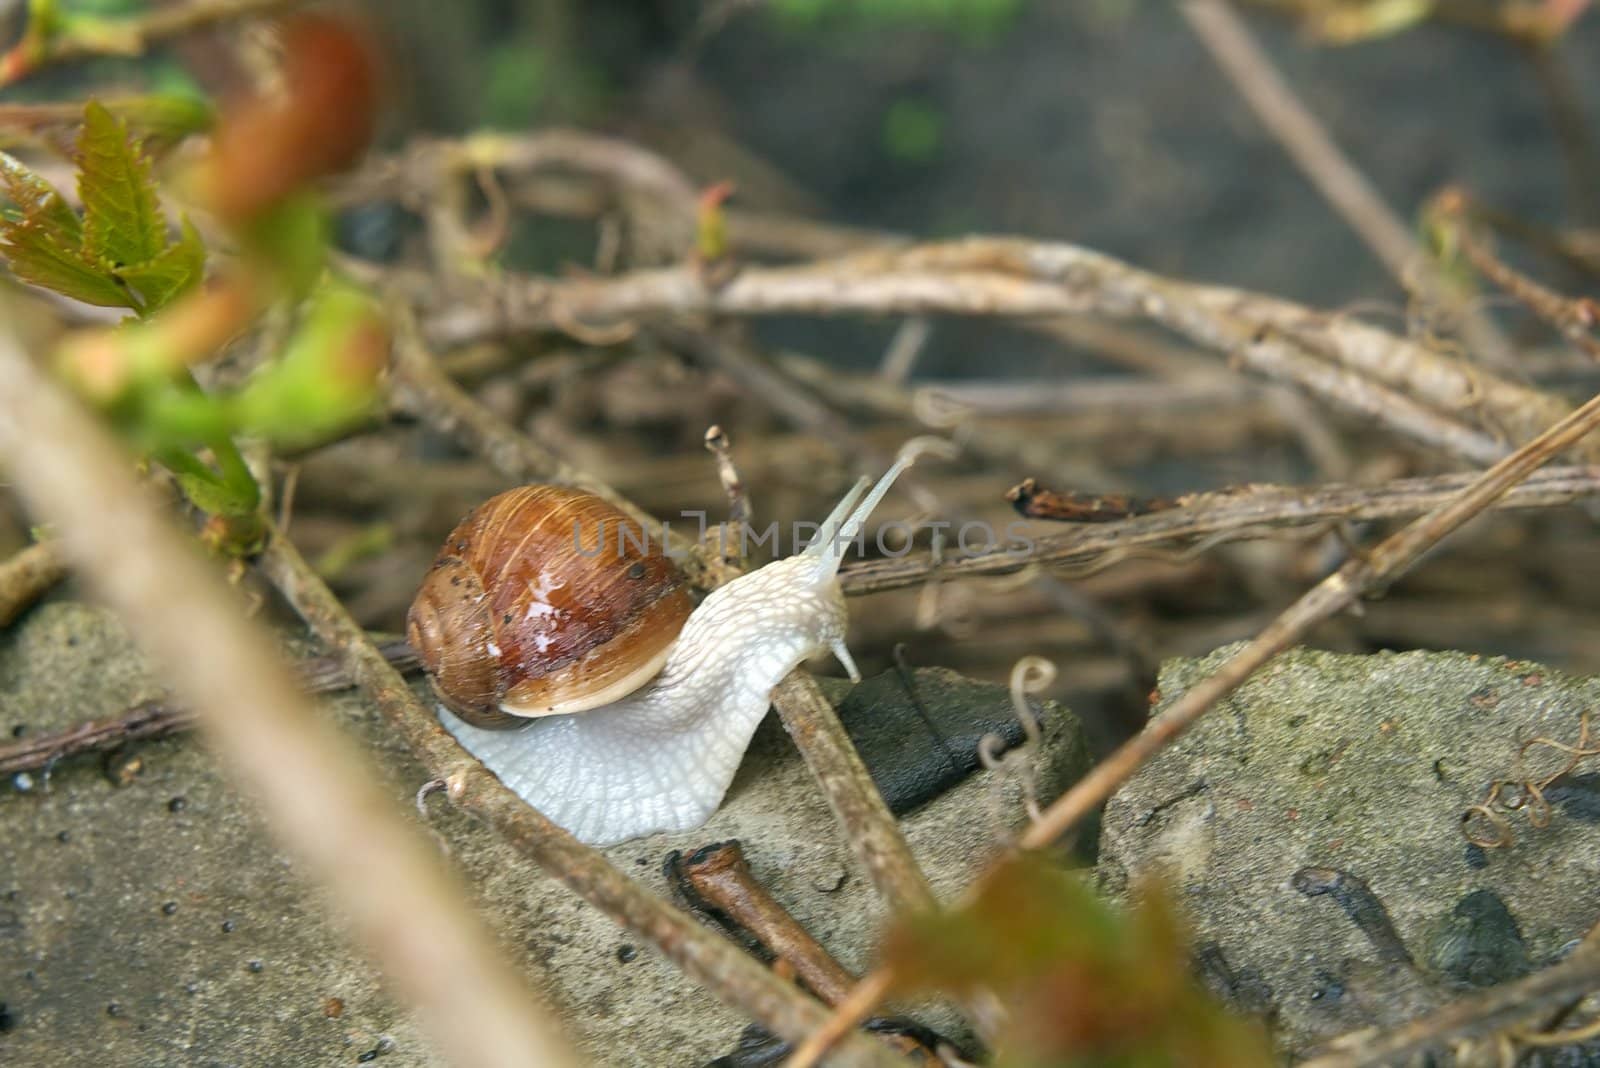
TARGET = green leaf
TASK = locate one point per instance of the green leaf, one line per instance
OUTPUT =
(36, 258)
(122, 220)
(38, 201)
(327, 376)
(41, 237)
(1088, 984)
(159, 281)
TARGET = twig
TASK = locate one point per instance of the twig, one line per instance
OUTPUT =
(718, 876)
(868, 824)
(86, 39)
(313, 786)
(1008, 277)
(1297, 130)
(158, 718)
(1213, 518)
(26, 576)
(1573, 318)
(1478, 1014)
(712, 962)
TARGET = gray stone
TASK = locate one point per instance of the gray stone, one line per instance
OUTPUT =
(162, 933)
(1360, 768)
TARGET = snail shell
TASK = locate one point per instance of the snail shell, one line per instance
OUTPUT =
(538, 605)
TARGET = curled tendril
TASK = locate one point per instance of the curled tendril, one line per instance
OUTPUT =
(1029, 675)
(1526, 795)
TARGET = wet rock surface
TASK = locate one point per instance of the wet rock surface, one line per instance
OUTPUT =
(1312, 824)
(157, 923)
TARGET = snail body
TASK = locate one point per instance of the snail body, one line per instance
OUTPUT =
(659, 757)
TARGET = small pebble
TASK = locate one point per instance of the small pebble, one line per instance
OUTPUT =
(22, 781)
(255, 966)
(626, 953)
(177, 804)
(169, 907)
(828, 879)
(191, 988)
(113, 1009)
(333, 1008)
(227, 927)
(123, 768)
(63, 837)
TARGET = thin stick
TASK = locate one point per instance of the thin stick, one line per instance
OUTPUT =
(1574, 318)
(1305, 139)
(1210, 519)
(26, 577)
(847, 1015)
(158, 718)
(1203, 521)
(315, 789)
(868, 825)
(716, 964)
(1483, 1013)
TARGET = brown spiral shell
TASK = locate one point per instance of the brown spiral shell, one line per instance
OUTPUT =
(513, 620)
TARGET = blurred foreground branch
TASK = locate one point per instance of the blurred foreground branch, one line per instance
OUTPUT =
(25, 577)
(87, 37)
(313, 786)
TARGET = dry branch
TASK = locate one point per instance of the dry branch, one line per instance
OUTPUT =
(1213, 518)
(25, 577)
(313, 786)
(1017, 278)
(1485, 1013)
(158, 718)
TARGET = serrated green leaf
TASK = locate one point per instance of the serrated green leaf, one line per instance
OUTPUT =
(40, 236)
(161, 280)
(122, 220)
(36, 257)
(37, 201)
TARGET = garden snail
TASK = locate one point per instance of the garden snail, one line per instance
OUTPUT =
(634, 710)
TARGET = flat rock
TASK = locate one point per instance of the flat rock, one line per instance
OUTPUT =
(1325, 773)
(158, 923)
